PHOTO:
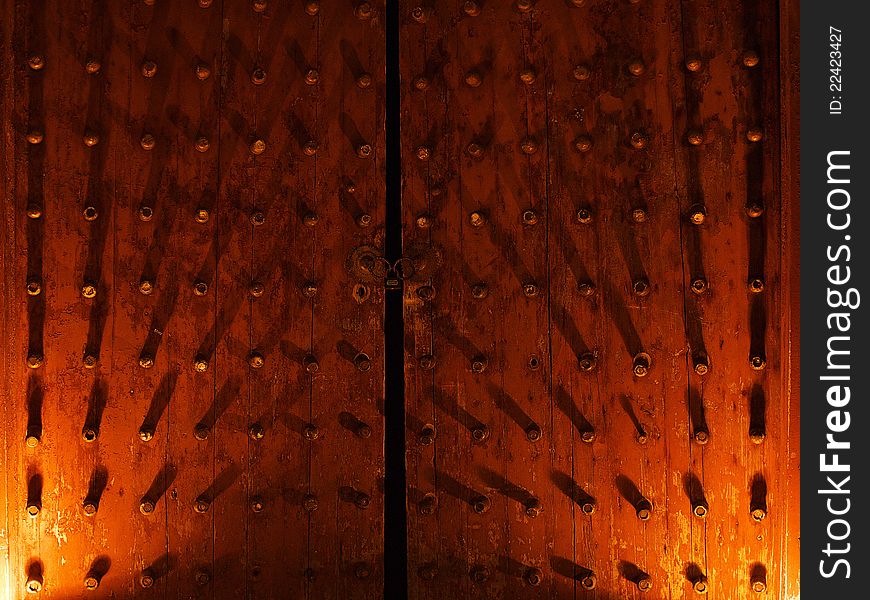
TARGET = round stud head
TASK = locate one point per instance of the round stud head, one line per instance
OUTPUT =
(257, 147)
(33, 585)
(530, 217)
(34, 361)
(200, 432)
(426, 362)
(258, 218)
(202, 71)
(750, 58)
(754, 209)
(34, 288)
(480, 433)
(146, 434)
(702, 365)
(700, 510)
(92, 67)
(89, 290)
(364, 81)
(204, 3)
(588, 581)
(587, 508)
(581, 72)
(583, 143)
(638, 140)
(754, 134)
(146, 213)
(147, 142)
(200, 288)
(201, 215)
(694, 63)
(89, 361)
(312, 76)
(478, 364)
(33, 211)
(362, 570)
(200, 364)
(33, 510)
(146, 579)
(758, 514)
(258, 76)
(638, 215)
(695, 137)
(528, 76)
(533, 508)
(420, 14)
(479, 291)
(36, 62)
(699, 585)
(90, 213)
(425, 293)
(533, 576)
(89, 434)
(586, 289)
(146, 361)
(759, 586)
(363, 431)
(91, 139)
(530, 290)
(311, 365)
(363, 11)
(529, 146)
(756, 285)
(636, 67)
(473, 79)
(421, 83)
(587, 436)
(477, 219)
(423, 153)
(258, 6)
(471, 8)
(644, 511)
(697, 214)
(149, 68)
(474, 150)
(427, 435)
(533, 433)
(644, 583)
(364, 220)
(362, 362)
(640, 287)
(481, 504)
(146, 287)
(699, 285)
(701, 436)
(587, 361)
(364, 151)
(202, 577)
(362, 501)
(479, 574)
(202, 144)
(641, 364)
(256, 431)
(256, 360)
(428, 504)
(201, 505)
(256, 504)
(32, 440)
(91, 582)
(757, 435)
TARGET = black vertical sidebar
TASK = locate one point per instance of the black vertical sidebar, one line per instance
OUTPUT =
(395, 522)
(835, 248)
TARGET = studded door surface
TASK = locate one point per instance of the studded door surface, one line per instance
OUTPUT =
(193, 356)
(600, 325)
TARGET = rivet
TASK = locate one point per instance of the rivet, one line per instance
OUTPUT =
(312, 7)
(311, 219)
(583, 215)
(428, 504)
(474, 150)
(758, 514)
(364, 150)
(753, 134)
(479, 574)
(699, 285)
(641, 364)
(204, 3)
(256, 360)
(201, 505)
(33, 211)
(200, 288)
(146, 506)
(256, 431)
(638, 215)
(478, 364)
(695, 137)
(201, 215)
(534, 363)
(35, 136)
(587, 436)
(578, 3)
(588, 581)
(34, 288)
(89, 508)
(694, 63)
(89, 434)
(310, 364)
(473, 79)
(750, 58)
(699, 509)
(90, 213)
(258, 76)
(200, 364)
(92, 67)
(32, 510)
(424, 221)
(756, 285)
(362, 570)
(530, 217)
(587, 361)
(481, 504)
(362, 500)
(421, 83)
(530, 290)
(699, 584)
(586, 289)
(524, 6)
(34, 361)
(312, 76)
(583, 143)
(363, 431)
(364, 81)
(146, 213)
(643, 509)
(641, 437)
(757, 435)
(479, 291)
(636, 67)
(528, 76)
(258, 218)
(202, 144)
(533, 508)
(640, 287)
(426, 362)
(146, 579)
(146, 361)
(363, 11)
(364, 220)
(420, 13)
(529, 146)
(480, 433)
(587, 508)
(427, 435)
(258, 147)
(89, 361)
(477, 219)
(91, 139)
(203, 72)
(423, 153)
(34, 584)
(697, 214)
(471, 8)
(581, 72)
(362, 362)
(147, 141)
(146, 286)
(309, 289)
(256, 504)
(701, 436)
(146, 434)
(702, 365)
(258, 6)
(638, 140)
(759, 585)
(426, 293)
(89, 290)
(36, 62)
(200, 431)
(533, 433)
(202, 577)
(149, 68)
(757, 363)
(533, 576)
(754, 209)
(91, 582)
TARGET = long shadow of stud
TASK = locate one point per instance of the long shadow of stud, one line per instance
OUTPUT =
(504, 487)
(97, 485)
(34, 488)
(566, 484)
(160, 400)
(35, 397)
(566, 405)
(509, 406)
(625, 403)
(757, 411)
(697, 414)
(97, 400)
